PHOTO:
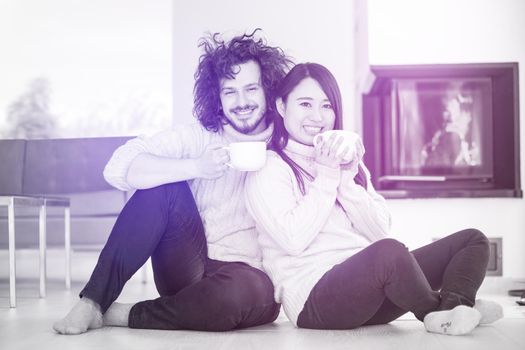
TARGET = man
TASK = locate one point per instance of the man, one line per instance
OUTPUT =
(201, 240)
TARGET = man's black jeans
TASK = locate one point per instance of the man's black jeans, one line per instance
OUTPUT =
(196, 292)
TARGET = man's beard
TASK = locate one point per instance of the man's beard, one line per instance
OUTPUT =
(244, 126)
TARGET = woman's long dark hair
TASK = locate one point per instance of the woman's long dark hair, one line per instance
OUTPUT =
(279, 138)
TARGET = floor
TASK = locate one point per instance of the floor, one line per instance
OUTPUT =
(29, 325)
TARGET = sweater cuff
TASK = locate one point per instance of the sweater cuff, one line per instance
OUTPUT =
(350, 190)
(329, 176)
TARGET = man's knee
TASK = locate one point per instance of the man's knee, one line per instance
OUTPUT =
(176, 198)
(178, 188)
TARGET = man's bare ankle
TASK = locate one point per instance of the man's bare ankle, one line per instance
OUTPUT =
(91, 303)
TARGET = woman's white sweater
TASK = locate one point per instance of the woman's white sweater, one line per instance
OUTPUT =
(304, 236)
(230, 230)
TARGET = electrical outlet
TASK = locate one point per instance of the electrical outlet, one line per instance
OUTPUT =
(495, 265)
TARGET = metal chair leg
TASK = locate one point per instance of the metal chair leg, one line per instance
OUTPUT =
(67, 240)
(12, 261)
(42, 243)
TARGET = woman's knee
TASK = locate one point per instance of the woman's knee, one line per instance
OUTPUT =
(387, 252)
(475, 236)
(389, 247)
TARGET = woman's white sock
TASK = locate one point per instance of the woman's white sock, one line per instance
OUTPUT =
(460, 320)
(490, 311)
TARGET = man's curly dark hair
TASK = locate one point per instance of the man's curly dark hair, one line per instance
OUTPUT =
(217, 62)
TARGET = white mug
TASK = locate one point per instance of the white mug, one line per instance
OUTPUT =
(350, 139)
(247, 156)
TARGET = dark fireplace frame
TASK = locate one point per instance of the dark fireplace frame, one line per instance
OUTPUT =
(503, 177)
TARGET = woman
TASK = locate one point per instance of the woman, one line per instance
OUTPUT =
(322, 227)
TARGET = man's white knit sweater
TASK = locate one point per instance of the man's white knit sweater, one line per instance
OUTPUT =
(230, 230)
(304, 236)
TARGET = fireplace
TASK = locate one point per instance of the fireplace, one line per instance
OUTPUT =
(443, 130)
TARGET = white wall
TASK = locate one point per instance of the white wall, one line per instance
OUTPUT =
(399, 32)
(455, 31)
(307, 30)
(106, 61)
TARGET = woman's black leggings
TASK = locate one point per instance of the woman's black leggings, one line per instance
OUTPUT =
(385, 280)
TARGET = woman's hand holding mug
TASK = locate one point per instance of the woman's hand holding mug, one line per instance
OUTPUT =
(338, 148)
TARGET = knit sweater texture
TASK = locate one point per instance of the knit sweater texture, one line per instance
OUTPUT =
(303, 236)
(230, 230)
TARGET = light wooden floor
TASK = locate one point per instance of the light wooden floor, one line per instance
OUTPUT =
(29, 326)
